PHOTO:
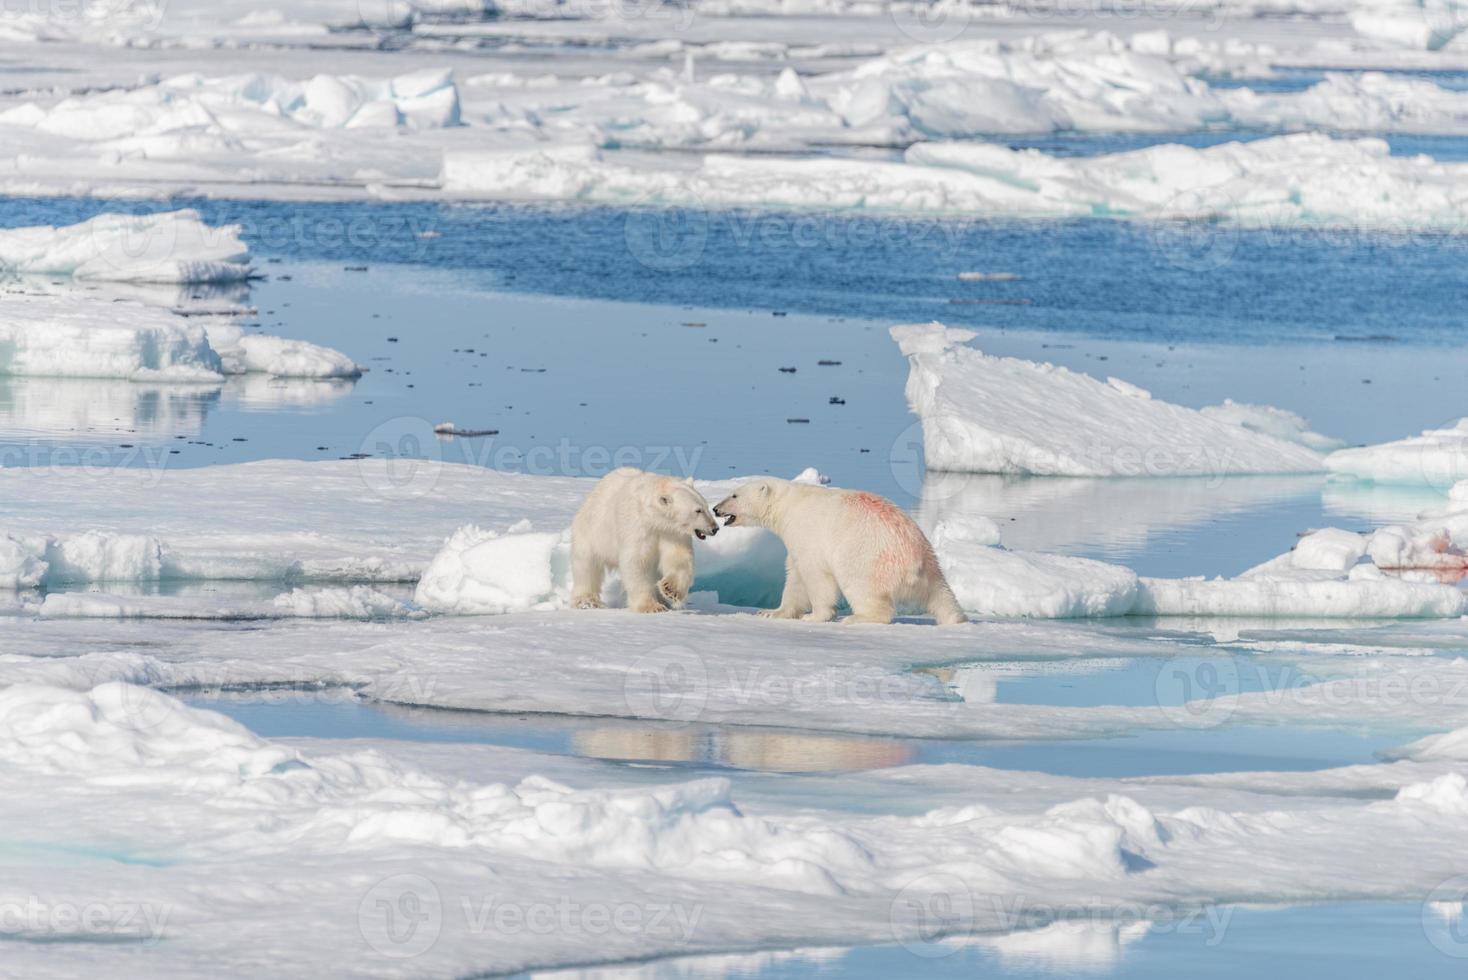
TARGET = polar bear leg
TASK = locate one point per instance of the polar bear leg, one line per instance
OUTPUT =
(868, 605)
(944, 607)
(675, 562)
(639, 568)
(793, 601)
(821, 589)
(587, 570)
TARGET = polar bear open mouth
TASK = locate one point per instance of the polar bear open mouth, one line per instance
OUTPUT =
(699, 534)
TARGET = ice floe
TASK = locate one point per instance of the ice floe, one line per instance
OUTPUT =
(1436, 458)
(986, 414)
(166, 247)
(70, 335)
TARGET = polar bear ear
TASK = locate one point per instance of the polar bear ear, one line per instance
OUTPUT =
(764, 488)
(664, 500)
(688, 481)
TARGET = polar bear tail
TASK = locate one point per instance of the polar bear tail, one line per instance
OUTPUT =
(943, 607)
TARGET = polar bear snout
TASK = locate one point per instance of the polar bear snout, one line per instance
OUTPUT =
(745, 504)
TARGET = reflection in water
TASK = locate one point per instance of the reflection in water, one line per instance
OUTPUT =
(978, 683)
(614, 741)
(1066, 946)
(95, 410)
(760, 751)
(1376, 503)
(1108, 514)
(1059, 948)
(811, 962)
(186, 299)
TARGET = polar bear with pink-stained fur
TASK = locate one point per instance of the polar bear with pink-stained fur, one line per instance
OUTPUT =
(844, 543)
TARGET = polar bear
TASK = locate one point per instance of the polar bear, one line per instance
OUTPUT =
(844, 543)
(643, 525)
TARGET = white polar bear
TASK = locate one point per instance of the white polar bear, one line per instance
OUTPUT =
(641, 524)
(844, 543)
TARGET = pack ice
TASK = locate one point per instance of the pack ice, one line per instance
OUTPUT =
(1275, 182)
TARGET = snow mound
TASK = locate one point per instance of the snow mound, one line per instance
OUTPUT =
(1451, 746)
(169, 247)
(70, 336)
(481, 572)
(1437, 457)
(118, 728)
(986, 414)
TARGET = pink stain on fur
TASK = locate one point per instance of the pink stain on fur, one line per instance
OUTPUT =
(905, 553)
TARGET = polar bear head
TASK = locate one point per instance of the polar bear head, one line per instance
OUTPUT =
(751, 503)
(682, 510)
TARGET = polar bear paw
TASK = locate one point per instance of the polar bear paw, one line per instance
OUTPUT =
(649, 606)
(778, 614)
(588, 602)
(672, 592)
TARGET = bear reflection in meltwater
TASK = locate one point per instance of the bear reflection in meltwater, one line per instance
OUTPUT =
(761, 751)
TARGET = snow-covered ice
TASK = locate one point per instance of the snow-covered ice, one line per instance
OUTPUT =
(1274, 182)
(72, 335)
(278, 524)
(1436, 458)
(986, 414)
(167, 247)
(227, 840)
